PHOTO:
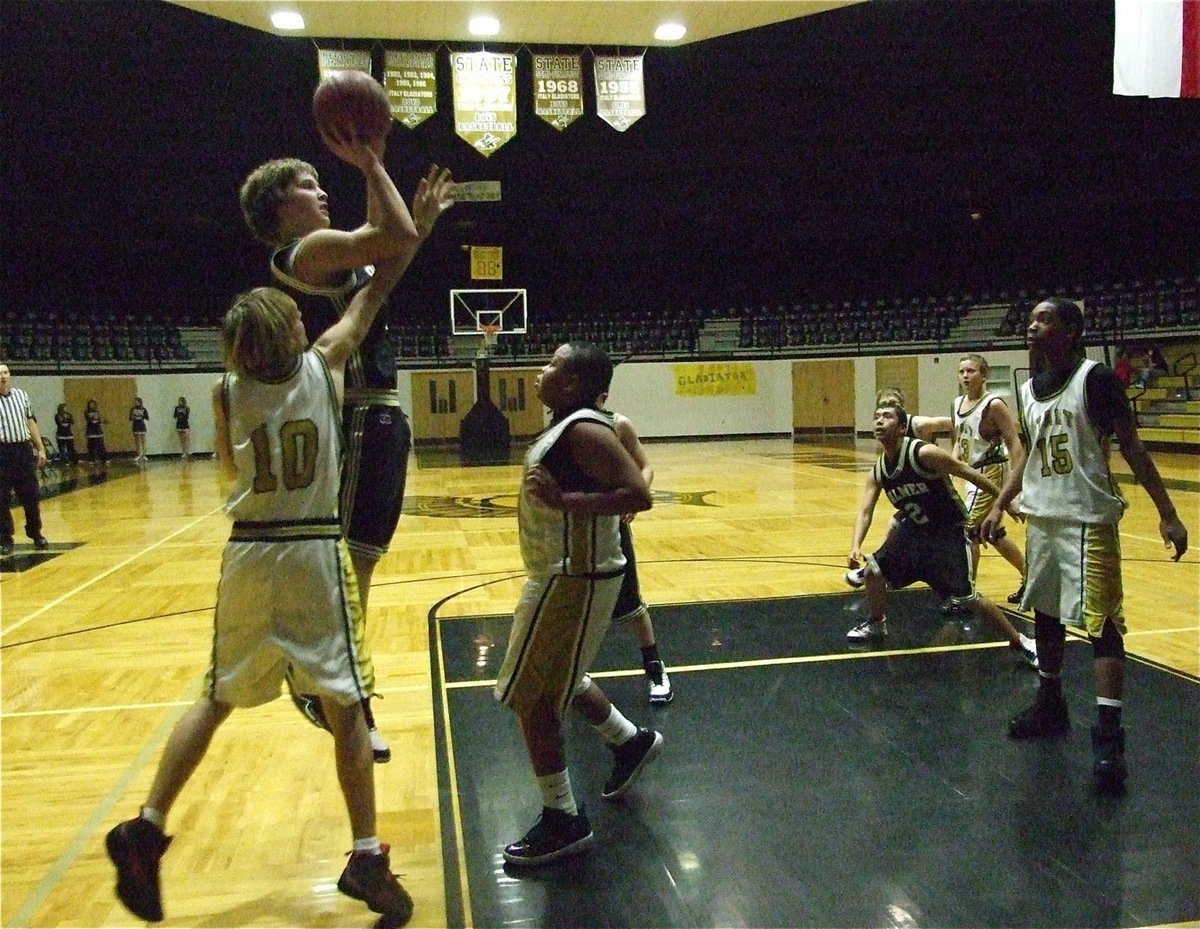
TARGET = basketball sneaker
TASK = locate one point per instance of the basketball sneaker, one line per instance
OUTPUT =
(1026, 647)
(135, 847)
(856, 577)
(628, 760)
(659, 683)
(556, 834)
(1047, 717)
(1108, 768)
(867, 630)
(369, 878)
(1017, 595)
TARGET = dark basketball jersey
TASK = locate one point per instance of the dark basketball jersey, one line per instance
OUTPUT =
(374, 364)
(924, 498)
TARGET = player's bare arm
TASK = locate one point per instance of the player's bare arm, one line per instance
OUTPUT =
(928, 428)
(599, 453)
(1170, 526)
(339, 341)
(862, 522)
(389, 232)
(224, 445)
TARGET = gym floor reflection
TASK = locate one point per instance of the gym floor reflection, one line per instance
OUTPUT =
(805, 784)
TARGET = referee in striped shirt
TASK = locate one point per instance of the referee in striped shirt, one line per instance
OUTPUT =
(22, 452)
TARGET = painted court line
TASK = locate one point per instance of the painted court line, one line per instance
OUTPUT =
(103, 574)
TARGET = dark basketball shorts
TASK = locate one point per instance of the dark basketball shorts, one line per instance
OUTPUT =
(630, 604)
(939, 557)
(378, 440)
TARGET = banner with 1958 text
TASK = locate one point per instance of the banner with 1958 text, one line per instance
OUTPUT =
(558, 88)
(410, 79)
(620, 92)
(485, 99)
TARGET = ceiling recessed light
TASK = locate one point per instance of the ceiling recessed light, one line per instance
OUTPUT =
(670, 32)
(484, 25)
(287, 19)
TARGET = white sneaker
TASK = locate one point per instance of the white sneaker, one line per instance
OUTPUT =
(379, 748)
(1028, 649)
(856, 577)
(867, 630)
(660, 690)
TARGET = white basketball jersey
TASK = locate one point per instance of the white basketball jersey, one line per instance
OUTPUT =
(554, 542)
(287, 445)
(1067, 474)
(974, 449)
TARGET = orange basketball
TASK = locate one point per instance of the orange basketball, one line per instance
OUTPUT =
(352, 102)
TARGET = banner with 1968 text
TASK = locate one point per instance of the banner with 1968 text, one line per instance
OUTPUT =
(558, 88)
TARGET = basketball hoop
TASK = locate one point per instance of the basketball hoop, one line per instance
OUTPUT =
(489, 332)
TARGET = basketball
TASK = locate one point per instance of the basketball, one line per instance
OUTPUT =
(352, 102)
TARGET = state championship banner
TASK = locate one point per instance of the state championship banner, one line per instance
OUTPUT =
(715, 379)
(620, 92)
(410, 79)
(341, 59)
(558, 88)
(485, 99)
(1156, 48)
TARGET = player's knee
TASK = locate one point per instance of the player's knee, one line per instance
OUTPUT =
(1047, 628)
(1110, 643)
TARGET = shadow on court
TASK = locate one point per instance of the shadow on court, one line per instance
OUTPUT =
(804, 784)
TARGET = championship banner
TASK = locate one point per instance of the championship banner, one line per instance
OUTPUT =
(1156, 48)
(487, 263)
(410, 79)
(715, 379)
(342, 59)
(558, 89)
(620, 94)
(485, 99)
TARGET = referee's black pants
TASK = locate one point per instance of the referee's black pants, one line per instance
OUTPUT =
(18, 472)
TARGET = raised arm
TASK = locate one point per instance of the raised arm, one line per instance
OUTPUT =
(338, 342)
(389, 232)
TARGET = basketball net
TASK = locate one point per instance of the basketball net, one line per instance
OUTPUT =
(488, 343)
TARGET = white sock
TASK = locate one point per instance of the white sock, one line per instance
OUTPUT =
(556, 791)
(151, 815)
(616, 730)
(370, 845)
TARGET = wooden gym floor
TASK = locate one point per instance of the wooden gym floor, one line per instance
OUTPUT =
(801, 783)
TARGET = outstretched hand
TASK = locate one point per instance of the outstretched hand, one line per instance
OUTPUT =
(435, 195)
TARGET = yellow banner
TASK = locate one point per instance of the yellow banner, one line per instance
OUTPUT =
(620, 93)
(485, 99)
(558, 88)
(487, 263)
(410, 79)
(715, 379)
(342, 59)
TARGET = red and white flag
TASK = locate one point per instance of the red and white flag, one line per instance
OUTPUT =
(1156, 51)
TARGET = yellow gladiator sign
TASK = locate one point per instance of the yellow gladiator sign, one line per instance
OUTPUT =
(715, 379)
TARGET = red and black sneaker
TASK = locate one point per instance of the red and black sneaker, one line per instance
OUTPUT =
(135, 847)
